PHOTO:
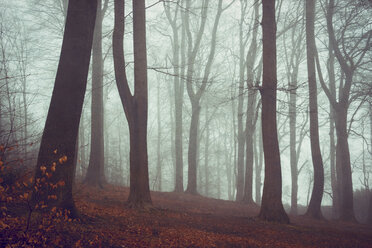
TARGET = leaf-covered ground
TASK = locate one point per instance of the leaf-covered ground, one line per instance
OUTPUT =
(176, 220)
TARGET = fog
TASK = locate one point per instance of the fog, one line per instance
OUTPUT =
(31, 38)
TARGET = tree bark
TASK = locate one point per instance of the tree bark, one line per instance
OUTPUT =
(314, 209)
(57, 149)
(251, 110)
(95, 174)
(179, 88)
(259, 163)
(271, 207)
(332, 142)
(193, 143)
(195, 96)
(206, 152)
(240, 112)
(136, 106)
(369, 221)
(158, 148)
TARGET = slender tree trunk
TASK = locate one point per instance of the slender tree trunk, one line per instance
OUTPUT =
(218, 171)
(158, 162)
(251, 110)
(136, 106)
(206, 152)
(195, 96)
(228, 164)
(178, 93)
(259, 167)
(271, 207)
(314, 209)
(58, 143)
(292, 146)
(369, 221)
(332, 143)
(95, 173)
(241, 136)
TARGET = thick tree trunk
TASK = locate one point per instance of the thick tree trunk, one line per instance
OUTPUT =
(95, 174)
(343, 165)
(192, 156)
(314, 209)
(343, 162)
(271, 207)
(57, 149)
(136, 106)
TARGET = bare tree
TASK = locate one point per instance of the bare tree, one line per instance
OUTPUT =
(318, 185)
(179, 88)
(350, 58)
(136, 105)
(195, 92)
(271, 207)
(62, 124)
(96, 172)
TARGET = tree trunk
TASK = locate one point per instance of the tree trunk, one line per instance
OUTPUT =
(241, 136)
(250, 125)
(343, 165)
(178, 93)
(259, 167)
(158, 151)
(95, 174)
(292, 146)
(136, 106)
(192, 156)
(369, 221)
(332, 143)
(314, 209)
(57, 149)
(271, 207)
(206, 152)
(343, 161)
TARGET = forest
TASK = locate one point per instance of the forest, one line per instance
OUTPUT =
(185, 123)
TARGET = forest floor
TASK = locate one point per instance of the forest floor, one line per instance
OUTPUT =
(175, 220)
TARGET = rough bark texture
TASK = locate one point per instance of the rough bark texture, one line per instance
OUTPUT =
(57, 149)
(135, 107)
(95, 173)
(313, 210)
(271, 207)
